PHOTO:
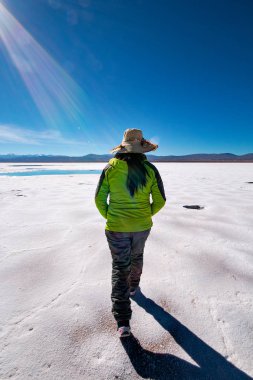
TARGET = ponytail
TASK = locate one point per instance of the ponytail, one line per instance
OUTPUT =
(137, 172)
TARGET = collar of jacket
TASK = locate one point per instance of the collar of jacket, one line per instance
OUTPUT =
(117, 162)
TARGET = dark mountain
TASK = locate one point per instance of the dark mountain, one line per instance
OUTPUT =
(248, 156)
(205, 157)
(201, 157)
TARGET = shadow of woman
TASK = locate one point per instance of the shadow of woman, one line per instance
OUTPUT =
(149, 365)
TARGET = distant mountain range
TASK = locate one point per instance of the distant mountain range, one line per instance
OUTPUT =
(222, 157)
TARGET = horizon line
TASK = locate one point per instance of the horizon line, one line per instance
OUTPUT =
(112, 154)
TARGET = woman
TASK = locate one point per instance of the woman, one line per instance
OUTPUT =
(129, 179)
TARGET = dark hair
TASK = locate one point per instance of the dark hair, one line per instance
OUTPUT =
(137, 172)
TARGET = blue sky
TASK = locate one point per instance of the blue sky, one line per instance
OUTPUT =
(75, 74)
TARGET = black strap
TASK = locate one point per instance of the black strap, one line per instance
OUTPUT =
(158, 178)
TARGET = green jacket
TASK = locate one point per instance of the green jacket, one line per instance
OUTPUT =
(125, 213)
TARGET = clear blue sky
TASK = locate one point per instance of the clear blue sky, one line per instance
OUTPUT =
(75, 74)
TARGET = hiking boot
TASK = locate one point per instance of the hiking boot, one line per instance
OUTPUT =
(124, 331)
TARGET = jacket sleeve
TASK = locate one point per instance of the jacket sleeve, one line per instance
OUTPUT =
(102, 192)
(157, 191)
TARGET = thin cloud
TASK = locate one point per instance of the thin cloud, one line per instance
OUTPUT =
(16, 134)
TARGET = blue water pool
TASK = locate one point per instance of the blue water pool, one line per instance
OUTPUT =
(49, 172)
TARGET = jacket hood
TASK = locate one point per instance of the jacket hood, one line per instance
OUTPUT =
(117, 162)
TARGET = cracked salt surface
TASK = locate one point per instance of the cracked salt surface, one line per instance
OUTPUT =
(193, 317)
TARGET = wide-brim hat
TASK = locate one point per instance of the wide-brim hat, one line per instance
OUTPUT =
(134, 142)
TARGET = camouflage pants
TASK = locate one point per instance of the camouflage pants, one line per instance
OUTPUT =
(127, 261)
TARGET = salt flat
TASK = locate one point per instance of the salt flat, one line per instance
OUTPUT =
(194, 316)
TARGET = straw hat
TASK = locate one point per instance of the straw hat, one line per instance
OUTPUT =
(134, 142)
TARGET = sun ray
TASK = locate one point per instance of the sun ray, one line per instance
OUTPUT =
(59, 99)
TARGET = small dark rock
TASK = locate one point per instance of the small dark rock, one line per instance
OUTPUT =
(195, 207)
